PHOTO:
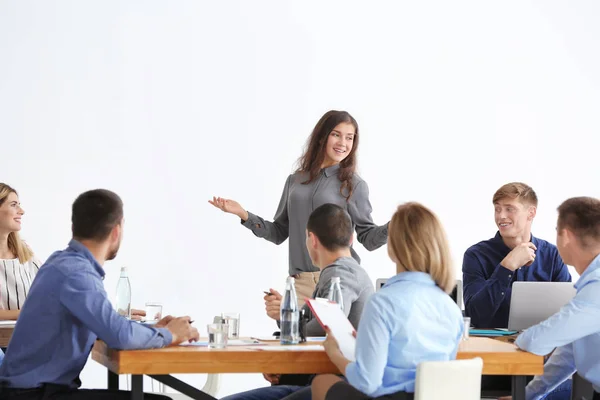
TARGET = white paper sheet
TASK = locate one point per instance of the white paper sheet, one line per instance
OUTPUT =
(330, 315)
(231, 342)
(291, 347)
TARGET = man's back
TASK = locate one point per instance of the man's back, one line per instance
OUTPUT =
(66, 310)
(356, 289)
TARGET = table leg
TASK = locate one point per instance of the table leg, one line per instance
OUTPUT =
(182, 387)
(113, 381)
(137, 387)
(518, 387)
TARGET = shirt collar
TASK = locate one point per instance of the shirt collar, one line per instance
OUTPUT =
(78, 247)
(498, 239)
(591, 273)
(333, 170)
(411, 276)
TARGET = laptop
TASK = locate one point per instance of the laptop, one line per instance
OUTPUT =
(534, 302)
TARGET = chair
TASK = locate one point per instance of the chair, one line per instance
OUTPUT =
(449, 380)
(212, 385)
(457, 292)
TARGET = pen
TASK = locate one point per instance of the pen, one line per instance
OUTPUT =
(268, 293)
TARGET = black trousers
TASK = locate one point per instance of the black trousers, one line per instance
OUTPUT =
(58, 392)
(345, 391)
(596, 396)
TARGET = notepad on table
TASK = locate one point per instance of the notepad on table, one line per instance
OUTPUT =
(490, 332)
(231, 342)
(292, 347)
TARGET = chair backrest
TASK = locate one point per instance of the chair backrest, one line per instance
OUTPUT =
(457, 293)
(449, 380)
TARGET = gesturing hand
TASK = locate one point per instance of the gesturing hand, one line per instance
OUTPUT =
(229, 206)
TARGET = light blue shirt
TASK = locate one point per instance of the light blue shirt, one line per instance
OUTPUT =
(410, 320)
(575, 333)
(65, 312)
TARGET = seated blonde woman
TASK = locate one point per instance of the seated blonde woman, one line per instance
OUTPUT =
(410, 320)
(18, 266)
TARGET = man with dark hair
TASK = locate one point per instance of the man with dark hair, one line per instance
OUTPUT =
(67, 309)
(328, 239)
(575, 330)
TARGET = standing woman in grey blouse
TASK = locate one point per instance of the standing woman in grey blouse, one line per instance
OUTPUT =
(18, 266)
(326, 174)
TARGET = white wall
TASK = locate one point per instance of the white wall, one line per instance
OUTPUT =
(169, 103)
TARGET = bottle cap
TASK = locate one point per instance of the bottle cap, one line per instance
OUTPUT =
(123, 269)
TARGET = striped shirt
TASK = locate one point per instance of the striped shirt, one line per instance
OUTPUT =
(15, 281)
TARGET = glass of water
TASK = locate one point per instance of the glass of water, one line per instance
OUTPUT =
(233, 320)
(467, 327)
(153, 311)
(217, 335)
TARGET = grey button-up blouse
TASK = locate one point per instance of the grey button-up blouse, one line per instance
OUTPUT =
(297, 203)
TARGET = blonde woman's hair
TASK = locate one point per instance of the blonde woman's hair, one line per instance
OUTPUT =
(417, 242)
(15, 244)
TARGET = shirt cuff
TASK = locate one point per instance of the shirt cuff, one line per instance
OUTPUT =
(503, 275)
(251, 222)
(166, 334)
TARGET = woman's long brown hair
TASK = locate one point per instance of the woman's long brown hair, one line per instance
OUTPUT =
(313, 157)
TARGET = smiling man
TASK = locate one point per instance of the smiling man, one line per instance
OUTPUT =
(514, 254)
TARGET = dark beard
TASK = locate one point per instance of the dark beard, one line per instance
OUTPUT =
(112, 254)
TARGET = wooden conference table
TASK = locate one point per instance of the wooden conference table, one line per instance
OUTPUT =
(499, 358)
(6, 330)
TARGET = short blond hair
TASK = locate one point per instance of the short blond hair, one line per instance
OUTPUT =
(516, 190)
(418, 243)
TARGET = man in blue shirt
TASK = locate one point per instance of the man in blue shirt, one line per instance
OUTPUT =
(490, 267)
(67, 309)
(575, 330)
(514, 254)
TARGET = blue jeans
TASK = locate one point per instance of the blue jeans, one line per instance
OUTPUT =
(562, 391)
(277, 392)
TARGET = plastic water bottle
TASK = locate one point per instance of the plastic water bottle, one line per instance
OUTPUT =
(289, 318)
(123, 298)
(335, 292)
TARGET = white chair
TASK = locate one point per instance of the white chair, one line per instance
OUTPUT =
(449, 380)
(211, 387)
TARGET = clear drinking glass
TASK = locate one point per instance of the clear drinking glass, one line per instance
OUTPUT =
(467, 326)
(233, 320)
(217, 335)
(153, 311)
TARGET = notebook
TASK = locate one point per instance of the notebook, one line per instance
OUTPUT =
(330, 315)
